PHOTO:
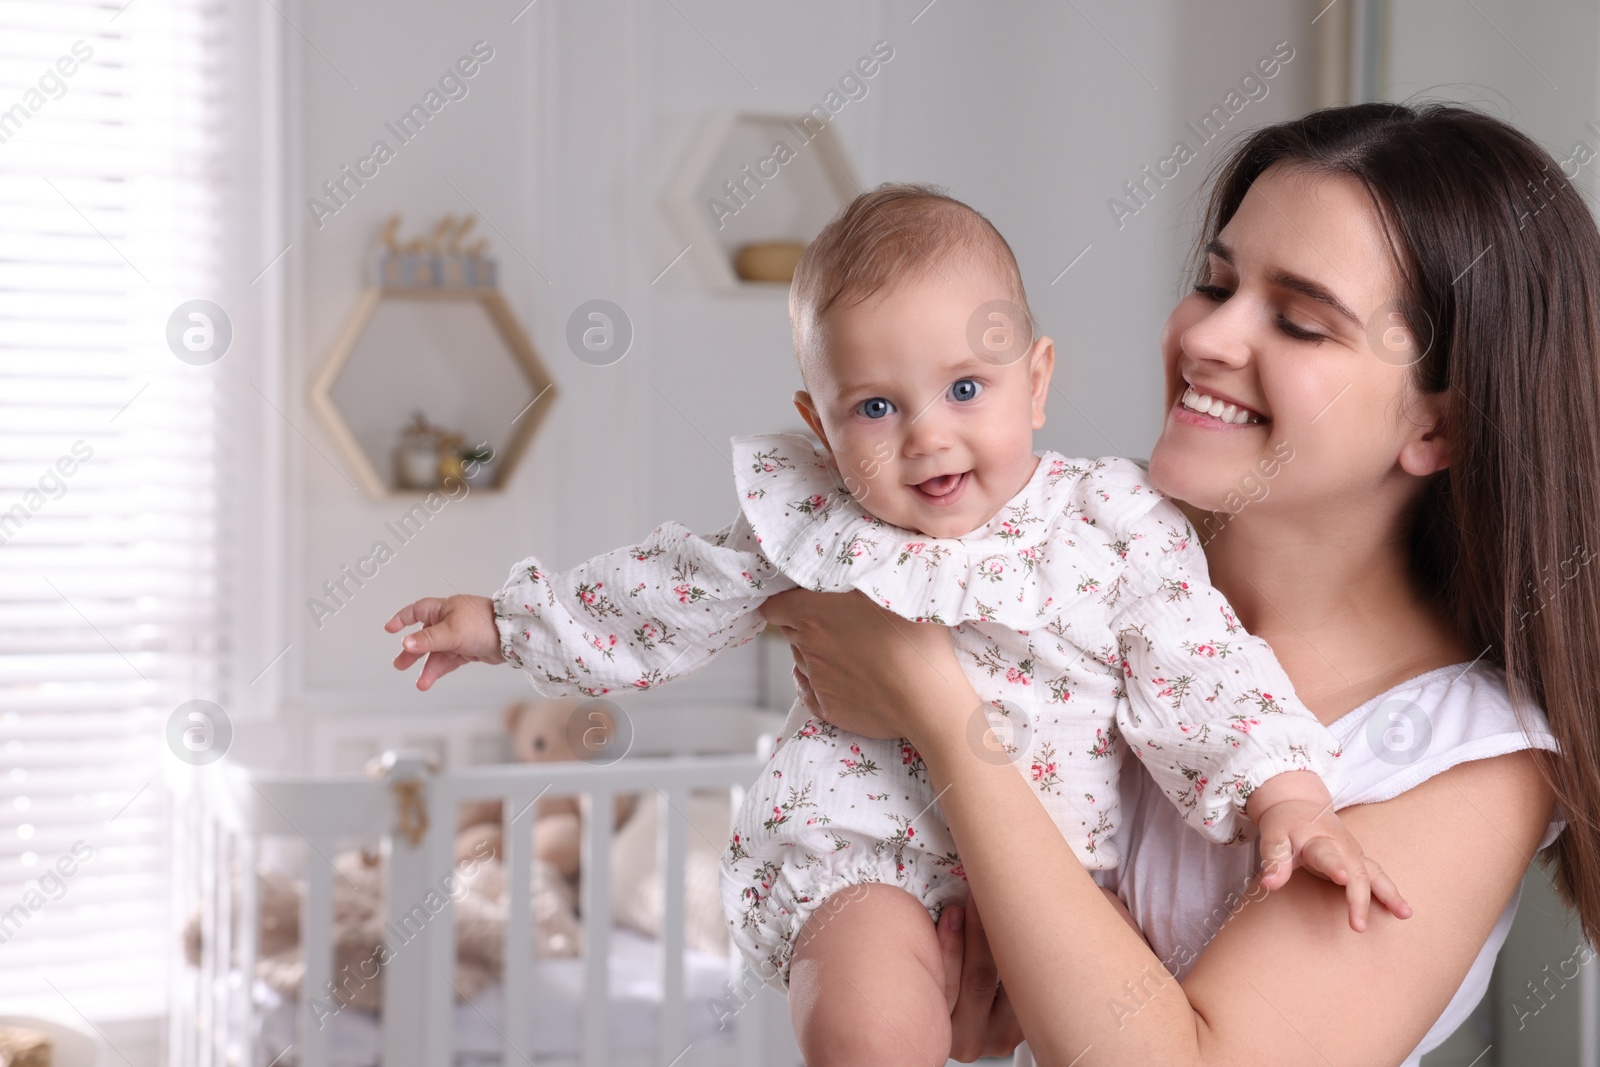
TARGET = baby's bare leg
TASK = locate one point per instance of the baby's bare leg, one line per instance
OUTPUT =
(866, 982)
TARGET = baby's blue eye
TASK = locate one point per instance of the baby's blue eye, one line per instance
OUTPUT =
(965, 389)
(875, 407)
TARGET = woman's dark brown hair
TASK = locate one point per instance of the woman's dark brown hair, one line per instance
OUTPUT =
(1499, 260)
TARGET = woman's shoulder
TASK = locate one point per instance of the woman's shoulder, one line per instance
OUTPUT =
(1429, 724)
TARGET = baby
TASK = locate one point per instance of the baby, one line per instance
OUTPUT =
(1078, 597)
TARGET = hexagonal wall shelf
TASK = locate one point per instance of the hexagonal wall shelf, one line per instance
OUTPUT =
(455, 355)
(755, 183)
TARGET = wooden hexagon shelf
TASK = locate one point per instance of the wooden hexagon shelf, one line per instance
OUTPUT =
(458, 356)
(750, 184)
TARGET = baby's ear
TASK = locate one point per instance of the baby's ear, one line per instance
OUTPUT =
(808, 411)
(1041, 367)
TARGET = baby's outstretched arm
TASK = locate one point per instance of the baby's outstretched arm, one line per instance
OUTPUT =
(455, 630)
(1299, 828)
(633, 618)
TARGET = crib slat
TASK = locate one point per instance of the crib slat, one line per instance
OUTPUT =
(596, 866)
(517, 1018)
(438, 848)
(243, 1017)
(673, 846)
(316, 944)
(220, 992)
(210, 962)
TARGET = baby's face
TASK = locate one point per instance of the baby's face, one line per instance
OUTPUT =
(931, 430)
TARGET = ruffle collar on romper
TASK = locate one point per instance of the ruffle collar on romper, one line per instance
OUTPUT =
(814, 531)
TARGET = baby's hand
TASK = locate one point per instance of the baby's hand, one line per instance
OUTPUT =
(1299, 828)
(456, 630)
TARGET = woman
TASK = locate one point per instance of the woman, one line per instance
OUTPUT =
(1408, 298)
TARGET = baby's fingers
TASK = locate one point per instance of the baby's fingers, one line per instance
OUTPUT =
(1341, 866)
(439, 664)
(425, 611)
(1277, 860)
(1387, 893)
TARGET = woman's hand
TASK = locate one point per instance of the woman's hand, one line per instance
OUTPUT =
(456, 630)
(861, 667)
(981, 1020)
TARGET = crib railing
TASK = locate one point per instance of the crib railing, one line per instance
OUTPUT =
(411, 812)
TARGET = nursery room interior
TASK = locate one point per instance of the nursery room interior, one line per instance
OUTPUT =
(311, 311)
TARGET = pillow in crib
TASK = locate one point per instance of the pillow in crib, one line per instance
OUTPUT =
(637, 900)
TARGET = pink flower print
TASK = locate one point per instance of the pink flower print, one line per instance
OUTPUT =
(683, 593)
(856, 549)
(1266, 696)
(1016, 677)
(959, 871)
(767, 467)
(1010, 528)
(1243, 725)
(809, 729)
(817, 501)
(1040, 771)
(1102, 744)
(908, 754)
(1205, 650)
(916, 547)
(587, 595)
(745, 575)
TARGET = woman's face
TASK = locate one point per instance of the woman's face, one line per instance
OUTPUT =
(1287, 370)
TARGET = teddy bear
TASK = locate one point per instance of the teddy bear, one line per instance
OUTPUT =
(541, 731)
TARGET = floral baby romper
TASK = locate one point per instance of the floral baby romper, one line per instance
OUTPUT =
(1082, 617)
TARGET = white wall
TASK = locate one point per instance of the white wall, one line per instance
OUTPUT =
(565, 142)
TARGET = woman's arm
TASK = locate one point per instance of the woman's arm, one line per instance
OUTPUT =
(1285, 982)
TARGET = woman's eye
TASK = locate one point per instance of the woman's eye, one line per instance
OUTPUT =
(1299, 333)
(965, 389)
(1213, 292)
(874, 408)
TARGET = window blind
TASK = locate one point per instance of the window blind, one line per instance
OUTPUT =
(112, 178)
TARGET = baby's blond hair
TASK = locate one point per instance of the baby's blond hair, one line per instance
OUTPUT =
(897, 232)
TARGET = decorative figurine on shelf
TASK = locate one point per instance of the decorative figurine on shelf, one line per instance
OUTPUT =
(429, 455)
(438, 261)
(416, 458)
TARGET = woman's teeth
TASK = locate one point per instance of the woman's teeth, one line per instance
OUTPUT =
(1199, 402)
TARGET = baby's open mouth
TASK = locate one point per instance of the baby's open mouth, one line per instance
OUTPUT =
(942, 489)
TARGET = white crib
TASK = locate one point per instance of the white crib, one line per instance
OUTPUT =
(226, 815)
